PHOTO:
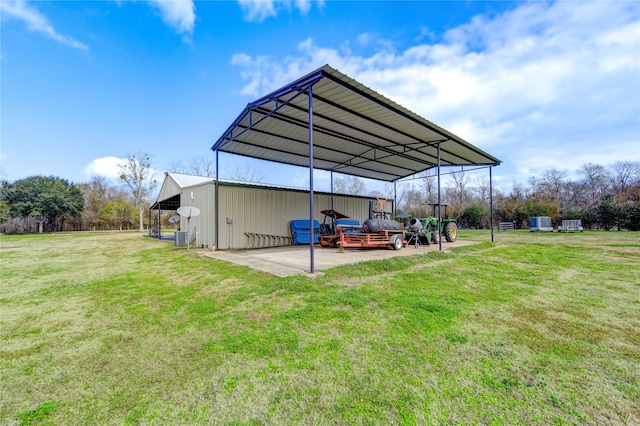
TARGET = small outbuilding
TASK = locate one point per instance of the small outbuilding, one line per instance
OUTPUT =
(251, 215)
(540, 224)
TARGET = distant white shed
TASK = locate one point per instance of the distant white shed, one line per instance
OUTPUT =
(540, 224)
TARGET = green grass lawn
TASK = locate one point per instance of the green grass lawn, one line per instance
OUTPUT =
(122, 329)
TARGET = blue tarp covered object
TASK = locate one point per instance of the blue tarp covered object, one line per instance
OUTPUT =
(301, 234)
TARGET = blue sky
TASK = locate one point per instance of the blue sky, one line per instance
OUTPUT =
(537, 84)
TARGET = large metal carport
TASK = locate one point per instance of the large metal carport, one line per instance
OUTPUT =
(328, 121)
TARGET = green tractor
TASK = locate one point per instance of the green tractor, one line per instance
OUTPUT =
(449, 227)
(424, 230)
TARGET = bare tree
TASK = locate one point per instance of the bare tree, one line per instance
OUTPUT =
(574, 196)
(415, 201)
(203, 166)
(550, 187)
(395, 192)
(349, 185)
(178, 166)
(624, 175)
(480, 190)
(244, 173)
(430, 185)
(519, 192)
(595, 182)
(510, 206)
(96, 193)
(552, 181)
(137, 175)
(198, 166)
(457, 193)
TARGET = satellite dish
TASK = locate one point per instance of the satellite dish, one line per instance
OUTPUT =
(188, 211)
(174, 219)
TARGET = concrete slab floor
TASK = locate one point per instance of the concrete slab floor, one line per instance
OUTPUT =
(294, 260)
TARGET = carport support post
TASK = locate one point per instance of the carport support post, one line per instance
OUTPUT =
(216, 201)
(311, 208)
(331, 189)
(395, 199)
(439, 208)
(491, 200)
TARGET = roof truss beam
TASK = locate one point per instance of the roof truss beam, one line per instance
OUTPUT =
(339, 135)
(305, 158)
(348, 163)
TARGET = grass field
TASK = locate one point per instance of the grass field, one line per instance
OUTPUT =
(122, 329)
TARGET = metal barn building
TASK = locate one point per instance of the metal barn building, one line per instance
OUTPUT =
(251, 214)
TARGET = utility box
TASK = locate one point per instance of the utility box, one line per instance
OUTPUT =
(540, 224)
(181, 238)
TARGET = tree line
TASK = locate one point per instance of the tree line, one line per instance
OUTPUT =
(51, 204)
(603, 197)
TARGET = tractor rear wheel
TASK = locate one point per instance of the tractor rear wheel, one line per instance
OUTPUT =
(450, 231)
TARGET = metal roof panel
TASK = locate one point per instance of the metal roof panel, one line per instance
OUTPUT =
(356, 131)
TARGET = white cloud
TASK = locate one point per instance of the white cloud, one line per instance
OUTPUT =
(108, 167)
(561, 77)
(259, 10)
(365, 38)
(178, 14)
(36, 22)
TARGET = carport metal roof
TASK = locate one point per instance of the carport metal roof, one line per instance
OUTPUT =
(326, 120)
(356, 131)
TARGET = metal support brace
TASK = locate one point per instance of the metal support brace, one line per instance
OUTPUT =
(491, 201)
(439, 207)
(217, 196)
(311, 208)
(395, 199)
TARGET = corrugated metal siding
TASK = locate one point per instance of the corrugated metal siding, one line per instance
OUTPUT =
(203, 199)
(256, 210)
(270, 211)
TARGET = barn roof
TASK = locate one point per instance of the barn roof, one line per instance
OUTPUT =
(175, 183)
(356, 131)
(172, 186)
(185, 181)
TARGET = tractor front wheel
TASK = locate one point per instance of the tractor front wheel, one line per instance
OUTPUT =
(450, 232)
(435, 237)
